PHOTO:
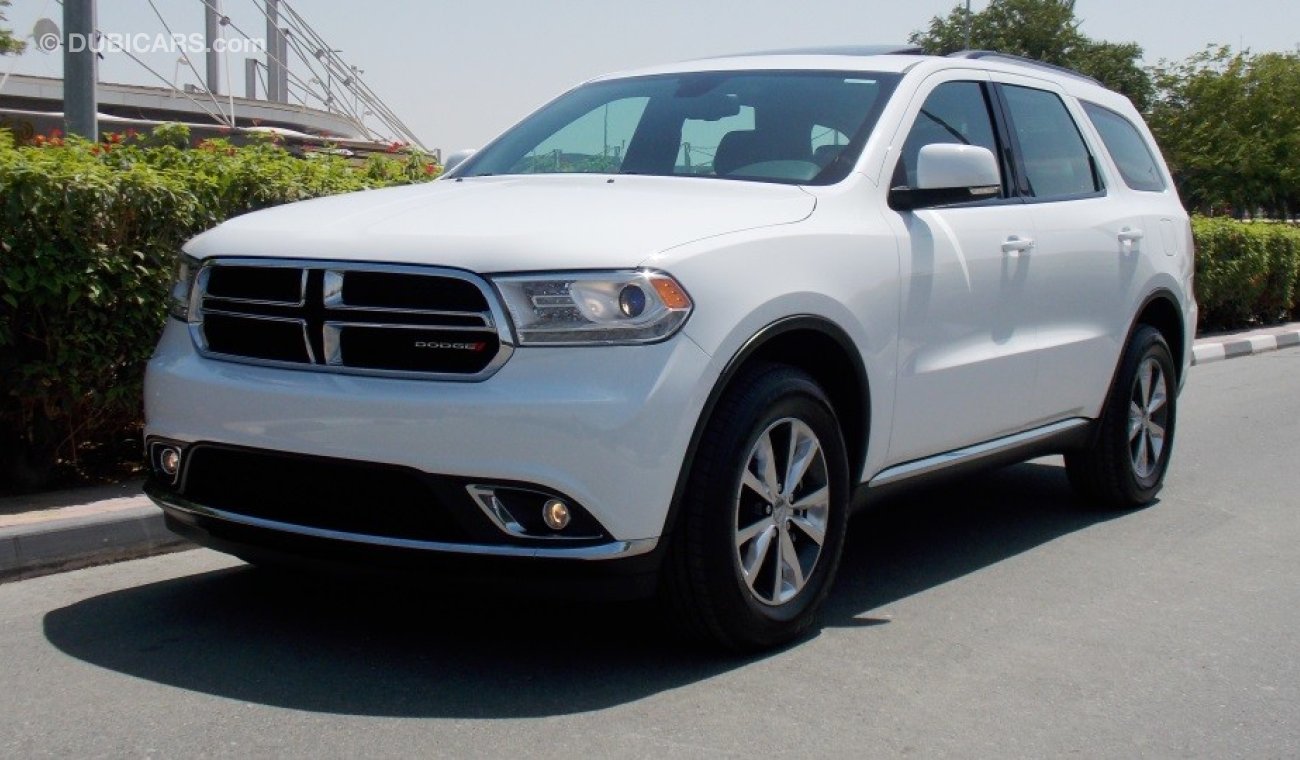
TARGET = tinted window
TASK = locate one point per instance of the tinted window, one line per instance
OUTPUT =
(801, 127)
(827, 144)
(1137, 166)
(1056, 160)
(701, 137)
(956, 112)
(571, 148)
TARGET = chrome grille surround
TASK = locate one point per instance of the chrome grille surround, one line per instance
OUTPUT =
(325, 314)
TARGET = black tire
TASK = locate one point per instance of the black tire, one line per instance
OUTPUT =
(703, 583)
(1109, 474)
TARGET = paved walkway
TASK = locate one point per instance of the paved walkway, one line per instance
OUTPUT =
(51, 532)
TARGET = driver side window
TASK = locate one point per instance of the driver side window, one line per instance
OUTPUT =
(955, 112)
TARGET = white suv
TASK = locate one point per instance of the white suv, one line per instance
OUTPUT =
(667, 332)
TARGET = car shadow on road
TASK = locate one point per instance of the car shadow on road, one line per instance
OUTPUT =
(239, 634)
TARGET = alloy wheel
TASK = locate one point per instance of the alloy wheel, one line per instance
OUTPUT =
(1148, 417)
(782, 508)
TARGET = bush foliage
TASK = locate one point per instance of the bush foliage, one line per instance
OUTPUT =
(1246, 272)
(89, 235)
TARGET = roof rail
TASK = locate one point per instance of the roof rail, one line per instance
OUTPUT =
(1020, 60)
(837, 50)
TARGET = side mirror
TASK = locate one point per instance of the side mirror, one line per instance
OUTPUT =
(948, 173)
(456, 159)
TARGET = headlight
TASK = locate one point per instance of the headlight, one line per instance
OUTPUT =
(600, 308)
(178, 298)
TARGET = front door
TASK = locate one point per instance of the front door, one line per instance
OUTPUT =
(966, 367)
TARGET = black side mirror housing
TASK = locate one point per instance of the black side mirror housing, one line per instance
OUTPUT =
(911, 198)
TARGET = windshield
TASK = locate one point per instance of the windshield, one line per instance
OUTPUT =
(797, 127)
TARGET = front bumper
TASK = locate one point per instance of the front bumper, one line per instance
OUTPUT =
(188, 512)
(622, 577)
(606, 426)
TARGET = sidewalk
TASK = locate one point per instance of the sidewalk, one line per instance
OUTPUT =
(65, 530)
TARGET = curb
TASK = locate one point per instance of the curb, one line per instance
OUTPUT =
(1231, 347)
(127, 531)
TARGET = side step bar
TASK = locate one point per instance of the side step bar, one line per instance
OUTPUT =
(1009, 447)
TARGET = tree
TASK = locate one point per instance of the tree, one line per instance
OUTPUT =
(1229, 126)
(1045, 30)
(8, 43)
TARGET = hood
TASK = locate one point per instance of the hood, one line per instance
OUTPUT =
(517, 223)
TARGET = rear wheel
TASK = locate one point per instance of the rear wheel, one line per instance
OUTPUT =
(761, 524)
(1125, 467)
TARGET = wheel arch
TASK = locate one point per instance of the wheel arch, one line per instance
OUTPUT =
(1160, 310)
(823, 350)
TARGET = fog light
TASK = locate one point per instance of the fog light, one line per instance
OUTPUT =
(170, 461)
(555, 514)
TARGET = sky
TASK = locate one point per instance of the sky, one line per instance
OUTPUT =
(458, 72)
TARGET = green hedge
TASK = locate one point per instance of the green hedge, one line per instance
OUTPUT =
(1246, 272)
(88, 239)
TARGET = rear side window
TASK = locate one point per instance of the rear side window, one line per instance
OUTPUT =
(1137, 166)
(1056, 160)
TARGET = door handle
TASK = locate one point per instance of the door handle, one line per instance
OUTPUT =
(1129, 236)
(1016, 245)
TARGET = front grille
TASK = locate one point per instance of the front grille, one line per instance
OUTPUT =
(342, 317)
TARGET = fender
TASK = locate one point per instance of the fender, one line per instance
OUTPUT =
(1160, 293)
(765, 335)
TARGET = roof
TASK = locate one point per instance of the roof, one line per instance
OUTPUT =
(883, 58)
(784, 60)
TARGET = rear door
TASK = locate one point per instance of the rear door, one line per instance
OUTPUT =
(1089, 242)
(966, 366)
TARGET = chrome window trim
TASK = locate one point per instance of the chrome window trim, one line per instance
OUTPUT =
(495, 318)
(605, 551)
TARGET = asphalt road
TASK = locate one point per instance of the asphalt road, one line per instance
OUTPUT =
(991, 617)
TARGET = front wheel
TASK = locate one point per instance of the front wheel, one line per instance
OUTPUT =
(761, 523)
(1125, 466)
